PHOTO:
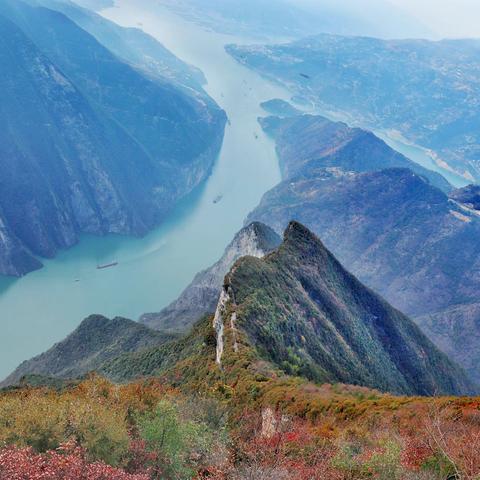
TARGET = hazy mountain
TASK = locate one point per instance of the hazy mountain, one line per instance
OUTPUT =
(90, 144)
(307, 143)
(429, 92)
(468, 196)
(201, 296)
(299, 18)
(456, 331)
(132, 45)
(399, 234)
(95, 4)
(94, 342)
(301, 312)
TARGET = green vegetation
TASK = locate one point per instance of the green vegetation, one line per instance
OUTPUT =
(303, 312)
(96, 341)
(176, 439)
(294, 430)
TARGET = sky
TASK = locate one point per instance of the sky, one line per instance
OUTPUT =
(446, 18)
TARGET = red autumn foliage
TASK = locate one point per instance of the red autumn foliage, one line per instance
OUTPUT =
(457, 439)
(67, 462)
(292, 452)
(357, 437)
(140, 457)
(415, 453)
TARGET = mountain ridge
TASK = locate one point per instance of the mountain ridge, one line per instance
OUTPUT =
(398, 235)
(300, 293)
(297, 312)
(95, 341)
(321, 143)
(201, 296)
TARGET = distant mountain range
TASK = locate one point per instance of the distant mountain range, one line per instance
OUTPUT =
(95, 4)
(91, 144)
(133, 46)
(427, 92)
(395, 230)
(307, 143)
(299, 18)
(296, 312)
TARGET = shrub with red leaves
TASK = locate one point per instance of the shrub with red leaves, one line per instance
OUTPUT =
(67, 462)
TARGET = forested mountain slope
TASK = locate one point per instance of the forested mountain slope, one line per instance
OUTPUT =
(90, 144)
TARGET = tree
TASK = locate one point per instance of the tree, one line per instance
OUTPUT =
(179, 444)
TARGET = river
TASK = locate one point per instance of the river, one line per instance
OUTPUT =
(46, 305)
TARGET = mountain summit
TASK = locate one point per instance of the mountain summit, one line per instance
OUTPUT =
(295, 312)
(302, 311)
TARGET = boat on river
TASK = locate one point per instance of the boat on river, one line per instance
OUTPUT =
(107, 265)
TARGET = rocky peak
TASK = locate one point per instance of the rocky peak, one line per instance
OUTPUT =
(298, 236)
(201, 296)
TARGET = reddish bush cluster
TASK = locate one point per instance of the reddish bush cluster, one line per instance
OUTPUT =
(67, 462)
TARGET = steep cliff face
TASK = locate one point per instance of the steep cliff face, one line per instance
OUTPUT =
(96, 341)
(15, 259)
(90, 145)
(201, 296)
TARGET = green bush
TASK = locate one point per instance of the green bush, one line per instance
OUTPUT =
(181, 440)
